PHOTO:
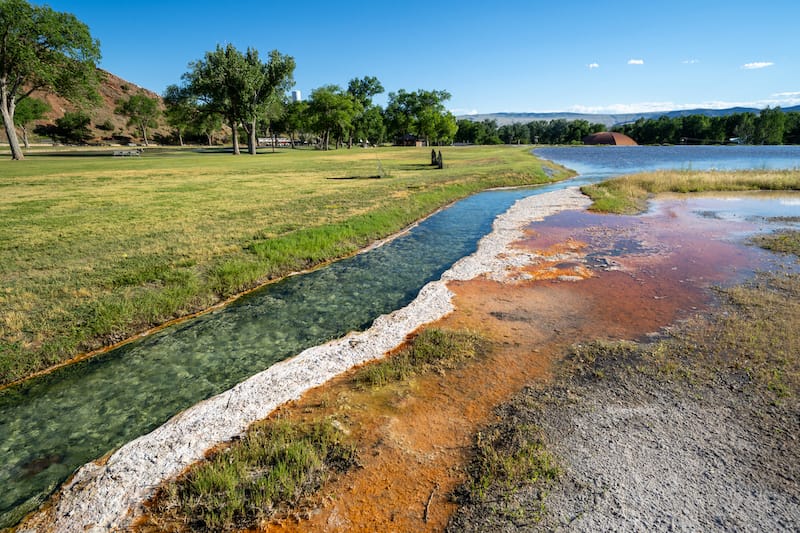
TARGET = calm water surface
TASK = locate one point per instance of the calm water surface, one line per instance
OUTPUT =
(52, 425)
(606, 161)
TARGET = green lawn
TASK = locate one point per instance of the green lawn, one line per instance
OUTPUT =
(95, 248)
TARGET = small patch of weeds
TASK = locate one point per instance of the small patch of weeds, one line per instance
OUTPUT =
(275, 466)
(432, 350)
(507, 458)
(785, 242)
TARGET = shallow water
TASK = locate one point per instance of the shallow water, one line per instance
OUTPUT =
(629, 276)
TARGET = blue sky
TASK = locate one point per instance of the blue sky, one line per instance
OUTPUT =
(598, 56)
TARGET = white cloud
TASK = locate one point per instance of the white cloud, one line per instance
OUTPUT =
(619, 109)
(636, 61)
(783, 99)
(462, 112)
(792, 94)
(690, 61)
(757, 65)
(593, 65)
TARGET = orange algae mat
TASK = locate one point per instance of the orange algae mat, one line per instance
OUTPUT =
(595, 277)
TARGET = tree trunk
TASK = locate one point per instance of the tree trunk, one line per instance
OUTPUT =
(180, 138)
(235, 136)
(252, 139)
(11, 131)
(210, 140)
(144, 134)
(25, 137)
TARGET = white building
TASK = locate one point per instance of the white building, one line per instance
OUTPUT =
(296, 96)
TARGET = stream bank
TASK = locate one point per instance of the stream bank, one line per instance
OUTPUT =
(107, 495)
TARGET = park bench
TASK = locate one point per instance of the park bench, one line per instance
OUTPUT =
(127, 153)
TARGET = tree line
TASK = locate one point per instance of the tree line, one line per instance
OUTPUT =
(45, 50)
(558, 131)
(769, 126)
(243, 94)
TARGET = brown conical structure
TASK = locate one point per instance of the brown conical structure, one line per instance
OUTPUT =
(609, 137)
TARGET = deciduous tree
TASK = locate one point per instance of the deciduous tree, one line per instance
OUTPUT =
(142, 112)
(218, 81)
(42, 49)
(73, 127)
(29, 110)
(365, 123)
(239, 86)
(770, 125)
(180, 109)
(416, 113)
(331, 111)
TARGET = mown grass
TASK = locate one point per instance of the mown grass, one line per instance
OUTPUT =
(629, 194)
(94, 249)
(276, 466)
(433, 350)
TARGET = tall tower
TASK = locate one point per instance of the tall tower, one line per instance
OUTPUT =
(296, 96)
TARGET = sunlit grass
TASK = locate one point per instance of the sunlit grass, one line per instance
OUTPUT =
(629, 194)
(433, 350)
(273, 468)
(95, 248)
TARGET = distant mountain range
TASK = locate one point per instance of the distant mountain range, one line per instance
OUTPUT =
(609, 120)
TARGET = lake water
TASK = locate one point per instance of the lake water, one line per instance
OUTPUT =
(607, 161)
(52, 425)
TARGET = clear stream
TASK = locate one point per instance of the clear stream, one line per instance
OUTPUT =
(52, 425)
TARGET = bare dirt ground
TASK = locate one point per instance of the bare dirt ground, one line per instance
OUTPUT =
(698, 447)
(639, 452)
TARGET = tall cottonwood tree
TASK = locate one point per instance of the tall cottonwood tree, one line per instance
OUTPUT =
(331, 111)
(216, 81)
(46, 50)
(362, 90)
(238, 86)
(421, 113)
(180, 109)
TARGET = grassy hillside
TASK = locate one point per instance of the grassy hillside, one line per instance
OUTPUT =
(95, 248)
